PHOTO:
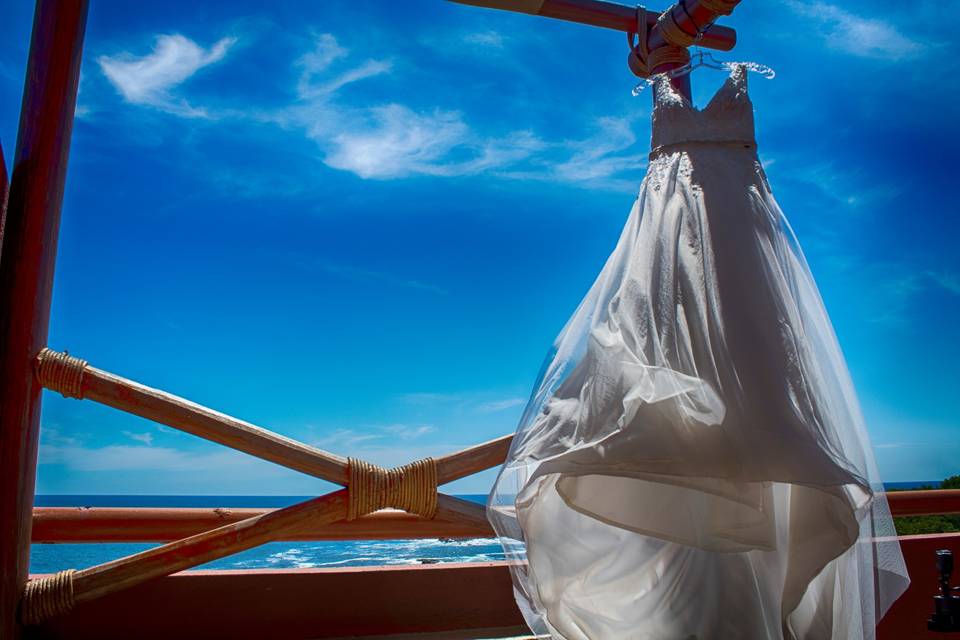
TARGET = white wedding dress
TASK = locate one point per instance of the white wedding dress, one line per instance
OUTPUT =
(693, 463)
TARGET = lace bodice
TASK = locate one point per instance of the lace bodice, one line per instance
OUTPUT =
(727, 118)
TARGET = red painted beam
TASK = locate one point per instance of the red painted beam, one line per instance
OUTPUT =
(304, 603)
(135, 524)
(26, 273)
(71, 524)
(4, 184)
(924, 503)
(598, 13)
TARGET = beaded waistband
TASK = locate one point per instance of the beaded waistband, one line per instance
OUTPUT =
(679, 146)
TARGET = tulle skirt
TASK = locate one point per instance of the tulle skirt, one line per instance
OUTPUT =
(693, 462)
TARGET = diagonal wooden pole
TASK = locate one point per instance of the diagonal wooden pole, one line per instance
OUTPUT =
(26, 274)
(179, 413)
(88, 584)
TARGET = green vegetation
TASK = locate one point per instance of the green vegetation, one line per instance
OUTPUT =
(912, 525)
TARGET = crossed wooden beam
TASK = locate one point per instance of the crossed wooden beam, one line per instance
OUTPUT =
(73, 377)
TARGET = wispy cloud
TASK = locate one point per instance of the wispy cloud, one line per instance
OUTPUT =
(856, 35)
(136, 458)
(900, 287)
(409, 432)
(604, 154)
(350, 439)
(499, 405)
(844, 186)
(488, 39)
(344, 438)
(145, 438)
(357, 273)
(478, 402)
(148, 80)
(327, 51)
(381, 141)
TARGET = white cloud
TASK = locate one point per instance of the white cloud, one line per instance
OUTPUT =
(409, 432)
(381, 141)
(600, 160)
(949, 281)
(499, 405)
(491, 39)
(395, 141)
(600, 155)
(343, 439)
(853, 34)
(136, 458)
(425, 398)
(148, 80)
(145, 438)
(326, 51)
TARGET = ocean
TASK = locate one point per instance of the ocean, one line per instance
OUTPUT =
(49, 558)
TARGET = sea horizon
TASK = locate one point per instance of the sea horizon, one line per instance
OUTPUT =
(260, 501)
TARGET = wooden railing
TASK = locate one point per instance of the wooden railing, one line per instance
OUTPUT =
(453, 600)
(197, 536)
(136, 524)
(232, 531)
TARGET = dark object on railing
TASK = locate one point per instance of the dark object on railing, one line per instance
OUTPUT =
(946, 614)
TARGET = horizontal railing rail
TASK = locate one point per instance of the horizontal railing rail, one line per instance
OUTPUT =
(129, 524)
(98, 524)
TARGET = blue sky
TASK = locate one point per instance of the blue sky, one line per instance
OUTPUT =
(362, 223)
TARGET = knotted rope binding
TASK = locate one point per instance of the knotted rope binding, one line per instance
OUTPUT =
(61, 372)
(641, 60)
(412, 487)
(47, 597)
(672, 32)
(668, 54)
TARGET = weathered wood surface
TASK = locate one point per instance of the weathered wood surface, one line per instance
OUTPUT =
(173, 411)
(210, 545)
(27, 258)
(135, 524)
(473, 459)
(305, 603)
(127, 524)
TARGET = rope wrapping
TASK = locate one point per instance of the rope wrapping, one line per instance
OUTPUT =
(666, 55)
(412, 488)
(672, 32)
(642, 60)
(61, 372)
(47, 597)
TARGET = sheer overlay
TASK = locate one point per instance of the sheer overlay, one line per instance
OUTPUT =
(693, 463)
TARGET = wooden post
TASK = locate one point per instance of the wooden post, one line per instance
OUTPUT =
(3, 194)
(26, 274)
(603, 14)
